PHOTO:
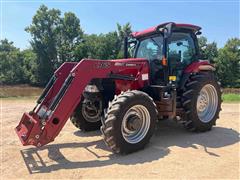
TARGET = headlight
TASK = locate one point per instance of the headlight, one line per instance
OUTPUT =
(91, 88)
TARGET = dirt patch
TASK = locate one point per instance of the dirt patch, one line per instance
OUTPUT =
(172, 152)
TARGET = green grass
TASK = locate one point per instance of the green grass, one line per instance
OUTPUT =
(231, 97)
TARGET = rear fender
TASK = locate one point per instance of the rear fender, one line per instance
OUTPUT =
(195, 67)
(201, 65)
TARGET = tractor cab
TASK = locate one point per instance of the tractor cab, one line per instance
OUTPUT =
(169, 47)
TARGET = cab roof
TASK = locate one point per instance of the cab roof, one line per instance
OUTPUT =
(154, 29)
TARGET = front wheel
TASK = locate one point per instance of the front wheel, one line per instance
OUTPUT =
(87, 115)
(129, 122)
(202, 102)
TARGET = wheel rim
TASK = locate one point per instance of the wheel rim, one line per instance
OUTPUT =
(135, 124)
(92, 113)
(207, 103)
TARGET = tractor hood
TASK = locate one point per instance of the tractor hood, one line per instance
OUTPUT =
(127, 62)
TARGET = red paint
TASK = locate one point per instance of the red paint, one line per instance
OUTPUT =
(30, 126)
(194, 67)
(152, 30)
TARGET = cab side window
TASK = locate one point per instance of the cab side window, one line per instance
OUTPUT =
(181, 48)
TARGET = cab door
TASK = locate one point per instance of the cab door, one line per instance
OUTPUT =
(181, 52)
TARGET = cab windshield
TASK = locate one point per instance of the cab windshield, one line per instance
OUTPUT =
(150, 48)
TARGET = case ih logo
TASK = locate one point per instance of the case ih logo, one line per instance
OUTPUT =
(102, 65)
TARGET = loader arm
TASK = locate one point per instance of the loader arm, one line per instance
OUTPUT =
(62, 95)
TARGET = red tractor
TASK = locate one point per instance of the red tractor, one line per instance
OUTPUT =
(125, 98)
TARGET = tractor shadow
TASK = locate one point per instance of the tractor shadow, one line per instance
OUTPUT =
(167, 134)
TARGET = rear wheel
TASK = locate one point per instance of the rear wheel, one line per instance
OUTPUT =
(87, 115)
(130, 122)
(202, 102)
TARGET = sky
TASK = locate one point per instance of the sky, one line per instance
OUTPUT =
(219, 19)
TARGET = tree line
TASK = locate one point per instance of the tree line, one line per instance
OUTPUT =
(58, 38)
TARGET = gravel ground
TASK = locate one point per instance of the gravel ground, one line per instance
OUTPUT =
(172, 152)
